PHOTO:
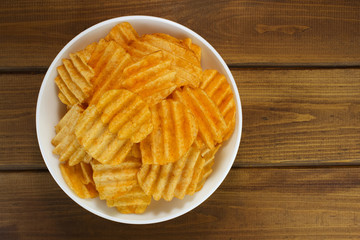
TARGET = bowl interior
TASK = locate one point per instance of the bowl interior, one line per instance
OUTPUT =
(50, 110)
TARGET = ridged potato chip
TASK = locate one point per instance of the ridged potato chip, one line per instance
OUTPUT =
(108, 60)
(79, 179)
(195, 48)
(126, 114)
(112, 181)
(150, 78)
(209, 158)
(183, 60)
(98, 141)
(173, 179)
(118, 185)
(74, 78)
(212, 125)
(175, 130)
(123, 34)
(219, 90)
(134, 201)
(66, 145)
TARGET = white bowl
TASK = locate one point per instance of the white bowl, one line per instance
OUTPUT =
(49, 110)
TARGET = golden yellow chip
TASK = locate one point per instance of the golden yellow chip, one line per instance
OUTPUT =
(134, 201)
(74, 79)
(209, 158)
(98, 141)
(183, 60)
(150, 78)
(109, 60)
(175, 130)
(79, 179)
(123, 34)
(118, 185)
(135, 151)
(86, 53)
(173, 179)
(211, 123)
(219, 90)
(195, 48)
(65, 142)
(126, 113)
(112, 181)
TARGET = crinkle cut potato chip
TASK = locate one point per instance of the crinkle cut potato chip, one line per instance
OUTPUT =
(144, 120)
(134, 201)
(212, 125)
(150, 78)
(66, 145)
(183, 60)
(219, 90)
(98, 141)
(209, 158)
(126, 114)
(79, 179)
(175, 130)
(73, 79)
(195, 48)
(123, 34)
(118, 185)
(112, 181)
(173, 179)
(108, 60)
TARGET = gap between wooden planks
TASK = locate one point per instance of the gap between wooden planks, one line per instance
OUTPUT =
(263, 203)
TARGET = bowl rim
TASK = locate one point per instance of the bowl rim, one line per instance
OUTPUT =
(185, 29)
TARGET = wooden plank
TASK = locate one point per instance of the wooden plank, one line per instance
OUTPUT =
(288, 203)
(291, 117)
(244, 32)
(18, 143)
(299, 117)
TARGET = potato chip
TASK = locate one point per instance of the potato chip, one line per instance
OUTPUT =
(219, 90)
(74, 79)
(98, 141)
(112, 181)
(174, 132)
(134, 201)
(123, 34)
(65, 142)
(118, 185)
(86, 53)
(209, 158)
(79, 179)
(184, 60)
(173, 179)
(126, 113)
(195, 48)
(211, 123)
(109, 60)
(150, 78)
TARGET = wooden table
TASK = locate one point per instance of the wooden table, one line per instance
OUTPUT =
(297, 67)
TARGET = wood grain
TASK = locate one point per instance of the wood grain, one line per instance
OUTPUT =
(305, 203)
(299, 117)
(18, 143)
(290, 118)
(256, 33)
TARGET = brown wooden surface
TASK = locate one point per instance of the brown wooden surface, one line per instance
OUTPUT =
(297, 67)
(289, 203)
(244, 32)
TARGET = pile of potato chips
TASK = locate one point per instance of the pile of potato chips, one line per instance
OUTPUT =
(144, 120)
